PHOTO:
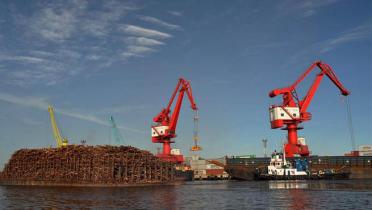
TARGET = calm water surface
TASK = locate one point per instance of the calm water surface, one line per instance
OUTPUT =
(350, 194)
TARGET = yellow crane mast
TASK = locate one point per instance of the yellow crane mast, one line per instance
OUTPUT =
(61, 141)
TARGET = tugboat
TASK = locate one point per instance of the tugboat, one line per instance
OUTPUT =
(281, 169)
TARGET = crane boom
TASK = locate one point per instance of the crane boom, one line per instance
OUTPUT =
(61, 142)
(115, 132)
(165, 126)
(293, 110)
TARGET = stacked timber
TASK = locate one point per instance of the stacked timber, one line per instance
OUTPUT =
(86, 165)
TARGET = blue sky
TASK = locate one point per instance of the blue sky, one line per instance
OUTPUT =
(93, 59)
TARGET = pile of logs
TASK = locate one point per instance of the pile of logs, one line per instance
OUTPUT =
(86, 165)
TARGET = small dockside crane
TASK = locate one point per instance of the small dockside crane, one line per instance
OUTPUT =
(116, 133)
(60, 140)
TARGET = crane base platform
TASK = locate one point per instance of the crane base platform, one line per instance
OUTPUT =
(178, 159)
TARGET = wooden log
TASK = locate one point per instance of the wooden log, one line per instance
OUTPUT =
(78, 164)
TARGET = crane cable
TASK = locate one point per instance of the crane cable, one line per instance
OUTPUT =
(350, 123)
(196, 147)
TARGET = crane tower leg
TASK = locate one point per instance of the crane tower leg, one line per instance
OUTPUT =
(293, 146)
(166, 148)
(292, 133)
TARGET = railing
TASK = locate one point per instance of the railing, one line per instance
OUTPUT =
(360, 161)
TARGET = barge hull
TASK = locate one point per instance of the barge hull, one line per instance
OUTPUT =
(359, 167)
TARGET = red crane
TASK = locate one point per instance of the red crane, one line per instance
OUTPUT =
(293, 110)
(165, 126)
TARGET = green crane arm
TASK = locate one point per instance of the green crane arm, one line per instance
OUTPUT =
(115, 132)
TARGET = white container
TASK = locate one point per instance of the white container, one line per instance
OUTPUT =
(176, 152)
(213, 166)
(278, 113)
(365, 148)
(363, 153)
(198, 164)
(301, 140)
(155, 131)
(195, 157)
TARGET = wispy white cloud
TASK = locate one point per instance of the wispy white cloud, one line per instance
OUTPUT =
(139, 50)
(359, 33)
(34, 102)
(63, 39)
(159, 22)
(355, 34)
(69, 53)
(143, 41)
(304, 8)
(18, 58)
(144, 32)
(175, 13)
(56, 23)
(123, 109)
(59, 21)
(46, 69)
(101, 23)
(41, 103)
(41, 53)
(94, 57)
(93, 119)
(136, 51)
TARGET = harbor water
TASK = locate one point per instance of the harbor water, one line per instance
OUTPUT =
(323, 194)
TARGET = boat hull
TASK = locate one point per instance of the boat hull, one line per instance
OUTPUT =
(334, 176)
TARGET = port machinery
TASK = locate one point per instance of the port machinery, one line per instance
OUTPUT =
(119, 139)
(60, 140)
(165, 123)
(293, 110)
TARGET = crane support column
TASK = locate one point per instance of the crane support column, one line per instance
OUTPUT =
(166, 148)
(292, 133)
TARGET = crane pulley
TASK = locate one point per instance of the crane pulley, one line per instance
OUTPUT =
(164, 129)
(60, 140)
(293, 110)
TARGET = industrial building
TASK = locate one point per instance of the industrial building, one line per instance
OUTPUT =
(207, 169)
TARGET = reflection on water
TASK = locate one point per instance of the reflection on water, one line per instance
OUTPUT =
(197, 195)
(290, 184)
(323, 194)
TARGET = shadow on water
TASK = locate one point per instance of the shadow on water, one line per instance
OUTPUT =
(151, 197)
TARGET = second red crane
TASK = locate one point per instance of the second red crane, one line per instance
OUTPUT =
(165, 126)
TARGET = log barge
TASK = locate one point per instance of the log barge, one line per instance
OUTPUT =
(79, 165)
(359, 167)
